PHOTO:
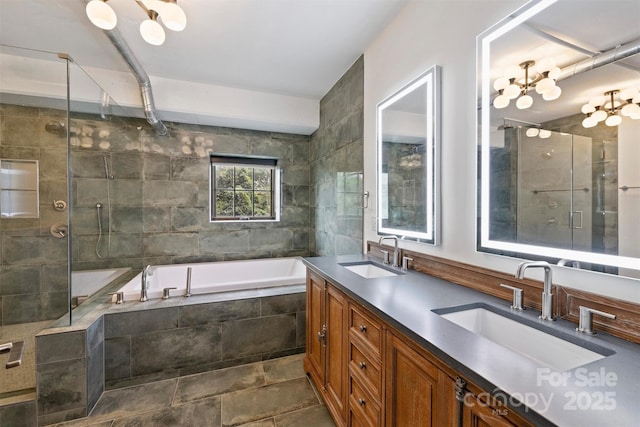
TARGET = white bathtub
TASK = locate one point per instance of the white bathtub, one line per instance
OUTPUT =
(85, 283)
(222, 276)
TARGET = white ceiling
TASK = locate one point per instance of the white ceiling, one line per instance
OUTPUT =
(289, 47)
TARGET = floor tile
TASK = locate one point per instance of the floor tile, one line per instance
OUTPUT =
(134, 400)
(284, 369)
(203, 413)
(262, 423)
(212, 383)
(315, 416)
(245, 406)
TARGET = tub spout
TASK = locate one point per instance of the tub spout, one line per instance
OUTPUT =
(143, 289)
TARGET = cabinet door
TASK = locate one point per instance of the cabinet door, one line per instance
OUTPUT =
(475, 414)
(314, 361)
(336, 351)
(412, 387)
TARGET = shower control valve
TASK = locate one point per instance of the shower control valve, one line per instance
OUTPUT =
(59, 205)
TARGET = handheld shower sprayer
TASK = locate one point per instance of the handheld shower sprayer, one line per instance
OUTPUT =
(106, 168)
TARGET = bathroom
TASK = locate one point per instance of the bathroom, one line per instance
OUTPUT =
(156, 232)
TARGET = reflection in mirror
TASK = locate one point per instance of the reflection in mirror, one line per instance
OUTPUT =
(560, 135)
(408, 151)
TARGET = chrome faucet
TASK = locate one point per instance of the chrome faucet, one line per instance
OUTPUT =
(395, 248)
(547, 296)
(143, 289)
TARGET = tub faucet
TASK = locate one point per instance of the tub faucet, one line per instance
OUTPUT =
(547, 296)
(395, 248)
(143, 289)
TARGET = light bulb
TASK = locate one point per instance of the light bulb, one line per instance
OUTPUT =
(599, 115)
(544, 134)
(152, 32)
(512, 91)
(588, 109)
(501, 83)
(589, 122)
(544, 85)
(532, 132)
(501, 101)
(101, 15)
(524, 101)
(614, 120)
(173, 16)
(552, 94)
(607, 106)
(555, 73)
(630, 110)
(627, 94)
(545, 64)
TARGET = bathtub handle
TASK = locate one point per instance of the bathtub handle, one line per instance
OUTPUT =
(166, 293)
(119, 297)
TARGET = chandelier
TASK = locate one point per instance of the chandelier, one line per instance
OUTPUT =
(521, 79)
(172, 16)
(610, 110)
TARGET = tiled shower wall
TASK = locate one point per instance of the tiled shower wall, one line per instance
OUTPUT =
(160, 193)
(337, 167)
(33, 264)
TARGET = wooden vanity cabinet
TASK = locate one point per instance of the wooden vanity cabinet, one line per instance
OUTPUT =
(326, 358)
(370, 374)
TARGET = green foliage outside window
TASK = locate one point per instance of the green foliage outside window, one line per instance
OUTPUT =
(243, 192)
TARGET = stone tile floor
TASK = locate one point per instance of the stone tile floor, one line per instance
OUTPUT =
(274, 393)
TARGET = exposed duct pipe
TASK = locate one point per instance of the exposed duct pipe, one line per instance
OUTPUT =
(613, 55)
(143, 80)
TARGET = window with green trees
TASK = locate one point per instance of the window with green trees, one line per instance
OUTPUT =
(244, 188)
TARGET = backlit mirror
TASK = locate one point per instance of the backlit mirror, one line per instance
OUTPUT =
(560, 134)
(407, 165)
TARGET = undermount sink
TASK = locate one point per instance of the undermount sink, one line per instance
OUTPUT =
(368, 270)
(548, 349)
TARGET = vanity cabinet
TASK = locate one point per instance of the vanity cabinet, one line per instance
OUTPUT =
(365, 367)
(370, 374)
(326, 358)
(414, 395)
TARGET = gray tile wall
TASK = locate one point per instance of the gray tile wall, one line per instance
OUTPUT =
(337, 167)
(33, 264)
(163, 343)
(160, 194)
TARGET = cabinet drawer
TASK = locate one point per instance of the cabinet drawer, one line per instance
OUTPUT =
(365, 328)
(362, 404)
(367, 369)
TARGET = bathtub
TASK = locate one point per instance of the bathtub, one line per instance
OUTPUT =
(222, 276)
(85, 283)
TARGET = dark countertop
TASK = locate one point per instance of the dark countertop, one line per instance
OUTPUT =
(602, 393)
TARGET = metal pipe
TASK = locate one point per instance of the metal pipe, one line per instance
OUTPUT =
(605, 58)
(141, 76)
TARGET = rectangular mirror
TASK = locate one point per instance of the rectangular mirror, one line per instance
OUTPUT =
(408, 138)
(560, 134)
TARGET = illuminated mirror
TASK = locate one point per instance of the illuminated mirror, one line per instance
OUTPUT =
(560, 135)
(407, 165)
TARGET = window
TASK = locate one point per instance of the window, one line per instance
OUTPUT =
(244, 189)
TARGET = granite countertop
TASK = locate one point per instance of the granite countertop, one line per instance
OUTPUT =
(602, 393)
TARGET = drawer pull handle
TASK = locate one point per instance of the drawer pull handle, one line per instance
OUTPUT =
(362, 402)
(363, 365)
(363, 328)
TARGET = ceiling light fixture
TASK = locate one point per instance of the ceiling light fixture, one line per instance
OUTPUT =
(171, 15)
(610, 110)
(521, 79)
